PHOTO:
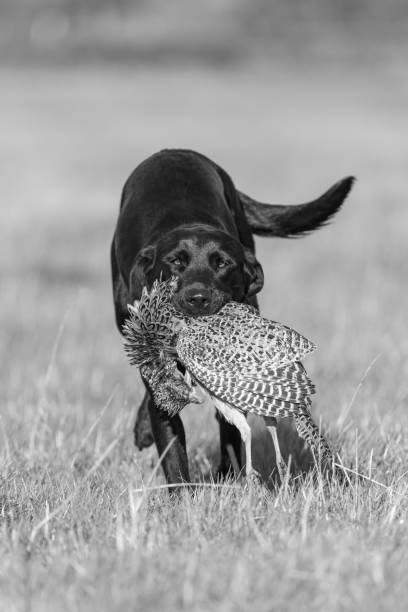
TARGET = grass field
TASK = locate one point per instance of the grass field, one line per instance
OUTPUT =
(79, 528)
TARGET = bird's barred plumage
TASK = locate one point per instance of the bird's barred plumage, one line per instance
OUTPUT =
(238, 357)
(247, 360)
(311, 434)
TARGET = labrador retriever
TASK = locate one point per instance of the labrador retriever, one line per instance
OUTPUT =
(181, 215)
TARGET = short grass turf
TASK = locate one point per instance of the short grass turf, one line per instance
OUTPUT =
(80, 528)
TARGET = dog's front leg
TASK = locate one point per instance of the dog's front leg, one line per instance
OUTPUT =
(143, 427)
(169, 436)
(168, 393)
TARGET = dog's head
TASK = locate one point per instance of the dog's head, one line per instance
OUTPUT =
(212, 267)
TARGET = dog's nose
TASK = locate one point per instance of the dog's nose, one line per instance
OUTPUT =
(198, 298)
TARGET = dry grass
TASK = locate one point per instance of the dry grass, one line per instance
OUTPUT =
(76, 533)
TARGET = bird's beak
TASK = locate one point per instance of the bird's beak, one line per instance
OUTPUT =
(178, 324)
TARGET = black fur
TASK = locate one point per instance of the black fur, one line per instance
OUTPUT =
(295, 220)
(180, 214)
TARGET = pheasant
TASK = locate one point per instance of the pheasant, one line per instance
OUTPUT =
(239, 360)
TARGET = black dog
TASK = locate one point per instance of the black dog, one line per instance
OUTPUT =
(181, 215)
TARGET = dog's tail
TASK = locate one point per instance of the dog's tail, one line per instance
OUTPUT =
(289, 221)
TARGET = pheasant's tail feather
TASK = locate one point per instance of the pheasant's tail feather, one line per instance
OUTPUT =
(311, 434)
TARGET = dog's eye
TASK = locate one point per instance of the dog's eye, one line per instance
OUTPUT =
(222, 263)
(176, 262)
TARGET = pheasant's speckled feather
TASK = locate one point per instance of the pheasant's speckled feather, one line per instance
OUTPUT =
(245, 338)
(167, 385)
(149, 343)
(149, 330)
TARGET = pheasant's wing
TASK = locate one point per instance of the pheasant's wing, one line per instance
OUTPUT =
(269, 391)
(248, 339)
(245, 350)
(247, 361)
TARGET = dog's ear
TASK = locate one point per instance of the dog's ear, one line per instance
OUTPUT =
(144, 263)
(254, 277)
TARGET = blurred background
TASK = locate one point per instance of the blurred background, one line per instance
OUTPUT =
(288, 96)
(213, 32)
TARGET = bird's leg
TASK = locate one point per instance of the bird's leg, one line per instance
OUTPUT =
(245, 432)
(238, 419)
(244, 429)
(271, 424)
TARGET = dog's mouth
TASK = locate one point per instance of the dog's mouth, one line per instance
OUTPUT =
(200, 307)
